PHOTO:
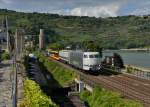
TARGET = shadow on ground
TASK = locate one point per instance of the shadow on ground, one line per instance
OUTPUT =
(1, 75)
(4, 65)
(107, 72)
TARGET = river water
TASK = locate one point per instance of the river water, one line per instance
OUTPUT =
(140, 59)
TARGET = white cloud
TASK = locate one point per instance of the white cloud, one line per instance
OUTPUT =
(97, 11)
(141, 11)
(97, 8)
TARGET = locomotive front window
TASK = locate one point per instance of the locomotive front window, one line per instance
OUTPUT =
(91, 56)
(94, 56)
(85, 56)
(97, 56)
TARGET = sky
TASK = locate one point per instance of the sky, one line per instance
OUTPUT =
(96, 8)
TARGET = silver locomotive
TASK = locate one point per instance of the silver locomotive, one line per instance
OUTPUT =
(88, 61)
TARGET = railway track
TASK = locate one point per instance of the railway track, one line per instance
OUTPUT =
(129, 86)
(134, 82)
(126, 88)
(136, 78)
(134, 88)
(111, 85)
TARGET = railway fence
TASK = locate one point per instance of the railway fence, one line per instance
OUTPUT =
(141, 74)
(129, 70)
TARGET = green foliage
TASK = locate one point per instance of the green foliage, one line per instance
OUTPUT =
(34, 97)
(118, 61)
(63, 75)
(91, 45)
(55, 46)
(112, 32)
(129, 69)
(103, 98)
(5, 56)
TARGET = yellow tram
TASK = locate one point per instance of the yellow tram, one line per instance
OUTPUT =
(54, 54)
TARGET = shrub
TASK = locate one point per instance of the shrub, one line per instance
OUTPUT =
(129, 69)
(34, 97)
(104, 98)
(118, 61)
(5, 56)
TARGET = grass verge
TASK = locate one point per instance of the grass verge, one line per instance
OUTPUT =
(63, 75)
(104, 98)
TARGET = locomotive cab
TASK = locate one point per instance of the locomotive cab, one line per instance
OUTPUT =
(91, 61)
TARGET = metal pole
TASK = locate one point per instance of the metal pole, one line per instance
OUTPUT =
(7, 33)
(15, 70)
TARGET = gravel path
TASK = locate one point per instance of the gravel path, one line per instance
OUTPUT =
(5, 84)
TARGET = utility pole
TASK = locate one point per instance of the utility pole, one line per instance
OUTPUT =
(19, 44)
(17, 38)
(41, 39)
(7, 33)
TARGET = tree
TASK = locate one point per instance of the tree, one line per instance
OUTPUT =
(5, 56)
(92, 46)
(110, 33)
(118, 61)
(55, 46)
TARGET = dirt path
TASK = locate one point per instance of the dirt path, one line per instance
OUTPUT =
(5, 84)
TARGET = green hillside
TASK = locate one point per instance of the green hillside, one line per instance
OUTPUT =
(112, 33)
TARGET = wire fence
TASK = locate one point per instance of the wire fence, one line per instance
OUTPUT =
(141, 74)
(133, 71)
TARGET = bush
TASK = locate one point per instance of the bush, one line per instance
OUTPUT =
(5, 56)
(34, 97)
(118, 61)
(129, 69)
(103, 98)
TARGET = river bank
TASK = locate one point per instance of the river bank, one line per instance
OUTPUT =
(137, 49)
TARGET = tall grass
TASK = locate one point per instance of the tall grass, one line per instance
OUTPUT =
(104, 98)
(63, 75)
